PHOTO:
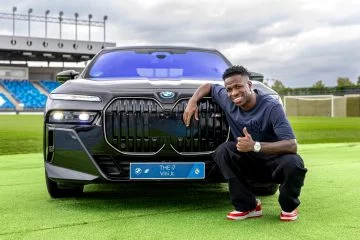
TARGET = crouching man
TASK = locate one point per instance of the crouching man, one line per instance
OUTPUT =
(265, 150)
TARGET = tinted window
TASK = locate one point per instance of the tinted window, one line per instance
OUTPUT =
(158, 65)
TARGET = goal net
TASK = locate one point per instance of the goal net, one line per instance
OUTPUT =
(353, 105)
(315, 105)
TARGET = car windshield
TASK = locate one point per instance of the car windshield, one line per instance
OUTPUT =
(158, 65)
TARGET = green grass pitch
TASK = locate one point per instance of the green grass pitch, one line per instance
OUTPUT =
(24, 133)
(330, 198)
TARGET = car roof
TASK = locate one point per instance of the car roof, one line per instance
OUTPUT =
(162, 47)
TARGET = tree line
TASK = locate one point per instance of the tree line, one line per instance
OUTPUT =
(344, 86)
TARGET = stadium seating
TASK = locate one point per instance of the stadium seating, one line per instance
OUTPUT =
(49, 85)
(24, 92)
(5, 103)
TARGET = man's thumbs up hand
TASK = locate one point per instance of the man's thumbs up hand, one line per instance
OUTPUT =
(246, 134)
(246, 143)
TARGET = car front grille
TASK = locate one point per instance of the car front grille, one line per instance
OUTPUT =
(139, 125)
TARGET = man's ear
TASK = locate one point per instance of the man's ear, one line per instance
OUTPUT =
(250, 84)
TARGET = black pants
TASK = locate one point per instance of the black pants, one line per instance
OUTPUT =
(288, 170)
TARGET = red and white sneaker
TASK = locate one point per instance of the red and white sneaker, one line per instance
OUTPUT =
(237, 215)
(289, 216)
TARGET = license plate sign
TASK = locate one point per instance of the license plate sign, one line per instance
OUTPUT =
(179, 170)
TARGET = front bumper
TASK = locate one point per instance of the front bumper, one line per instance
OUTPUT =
(80, 154)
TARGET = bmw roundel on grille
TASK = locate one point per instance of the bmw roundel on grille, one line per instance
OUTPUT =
(167, 94)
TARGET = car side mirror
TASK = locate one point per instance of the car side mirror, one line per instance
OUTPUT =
(64, 76)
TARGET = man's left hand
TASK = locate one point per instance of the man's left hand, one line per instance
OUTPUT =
(246, 143)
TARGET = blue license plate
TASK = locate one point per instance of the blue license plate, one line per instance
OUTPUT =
(178, 170)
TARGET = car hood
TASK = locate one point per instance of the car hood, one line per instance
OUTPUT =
(125, 86)
(109, 90)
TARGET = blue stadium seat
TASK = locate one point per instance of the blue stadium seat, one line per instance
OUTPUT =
(5, 102)
(49, 85)
(24, 92)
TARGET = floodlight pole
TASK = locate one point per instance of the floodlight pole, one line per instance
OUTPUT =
(60, 20)
(29, 12)
(46, 16)
(76, 19)
(14, 10)
(105, 18)
(90, 17)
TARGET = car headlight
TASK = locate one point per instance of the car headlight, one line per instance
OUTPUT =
(72, 117)
(74, 97)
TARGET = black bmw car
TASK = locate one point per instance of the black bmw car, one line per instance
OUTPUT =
(121, 120)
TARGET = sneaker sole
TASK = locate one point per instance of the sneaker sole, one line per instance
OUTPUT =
(253, 214)
(288, 219)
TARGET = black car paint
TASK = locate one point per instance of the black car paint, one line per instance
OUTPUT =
(82, 154)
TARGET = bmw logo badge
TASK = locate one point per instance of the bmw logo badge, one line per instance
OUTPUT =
(167, 94)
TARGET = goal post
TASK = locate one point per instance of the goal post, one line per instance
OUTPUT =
(315, 105)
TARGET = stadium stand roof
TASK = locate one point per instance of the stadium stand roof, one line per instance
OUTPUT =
(19, 48)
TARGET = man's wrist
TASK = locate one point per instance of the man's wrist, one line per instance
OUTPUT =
(193, 101)
(257, 147)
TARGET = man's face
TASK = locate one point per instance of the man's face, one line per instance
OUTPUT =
(238, 88)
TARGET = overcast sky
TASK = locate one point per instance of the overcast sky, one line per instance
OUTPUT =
(295, 41)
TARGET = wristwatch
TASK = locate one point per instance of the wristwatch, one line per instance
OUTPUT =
(257, 147)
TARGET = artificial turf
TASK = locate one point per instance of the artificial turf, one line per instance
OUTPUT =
(325, 129)
(329, 209)
(21, 134)
(24, 133)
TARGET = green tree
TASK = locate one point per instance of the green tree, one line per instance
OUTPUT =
(358, 81)
(344, 82)
(278, 86)
(319, 84)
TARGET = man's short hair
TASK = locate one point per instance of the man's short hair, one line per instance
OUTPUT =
(235, 70)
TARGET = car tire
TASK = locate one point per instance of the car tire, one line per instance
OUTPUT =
(264, 189)
(65, 191)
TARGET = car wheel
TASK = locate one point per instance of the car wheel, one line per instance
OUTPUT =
(263, 189)
(64, 191)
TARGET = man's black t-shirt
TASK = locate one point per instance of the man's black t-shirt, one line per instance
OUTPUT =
(266, 122)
